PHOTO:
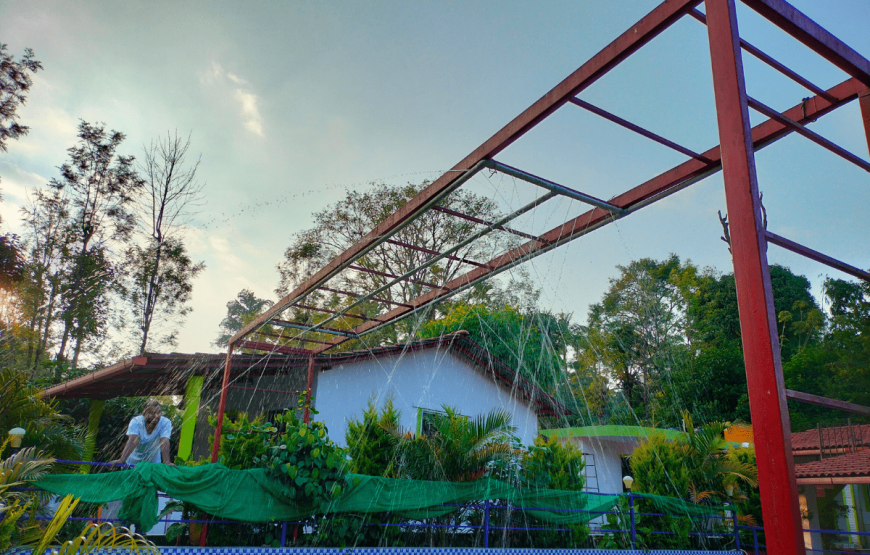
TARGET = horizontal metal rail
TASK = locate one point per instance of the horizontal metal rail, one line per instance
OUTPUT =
(479, 221)
(639, 130)
(811, 135)
(805, 83)
(816, 255)
(318, 328)
(430, 251)
(357, 295)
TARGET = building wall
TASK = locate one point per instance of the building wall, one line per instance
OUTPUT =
(419, 379)
(607, 455)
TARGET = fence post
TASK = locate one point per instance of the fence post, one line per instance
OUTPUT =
(486, 523)
(283, 534)
(736, 529)
(755, 539)
(631, 514)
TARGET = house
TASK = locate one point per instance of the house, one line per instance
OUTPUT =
(420, 377)
(606, 450)
(832, 470)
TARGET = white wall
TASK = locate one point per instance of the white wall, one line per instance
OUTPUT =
(427, 379)
(608, 459)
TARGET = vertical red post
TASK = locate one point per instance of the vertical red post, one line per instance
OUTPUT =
(222, 405)
(306, 415)
(767, 400)
(864, 102)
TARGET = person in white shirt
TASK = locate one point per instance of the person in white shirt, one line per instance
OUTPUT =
(147, 437)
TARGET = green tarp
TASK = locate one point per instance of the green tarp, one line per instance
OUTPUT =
(254, 496)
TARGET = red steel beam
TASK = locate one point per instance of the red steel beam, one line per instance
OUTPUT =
(222, 406)
(288, 338)
(864, 102)
(522, 234)
(649, 27)
(817, 256)
(792, 21)
(309, 385)
(762, 135)
(820, 401)
(811, 135)
(638, 129)
(433, 253)
(773, 63)
(758, 328)
(272, 348)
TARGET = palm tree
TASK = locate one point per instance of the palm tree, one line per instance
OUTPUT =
(458, 449)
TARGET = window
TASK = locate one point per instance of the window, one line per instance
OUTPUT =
(625, 468)
(428, 421)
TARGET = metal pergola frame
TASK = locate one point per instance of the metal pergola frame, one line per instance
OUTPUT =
(749, 239)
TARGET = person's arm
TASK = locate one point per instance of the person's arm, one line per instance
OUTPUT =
(132, 442)
(164, 451)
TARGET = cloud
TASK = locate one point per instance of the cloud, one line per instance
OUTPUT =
(241, 92)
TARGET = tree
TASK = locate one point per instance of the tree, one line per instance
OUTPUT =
(160, 272)
(100, 186)
(240, 312)
(343, 224)
(15, 82)
(532, 342)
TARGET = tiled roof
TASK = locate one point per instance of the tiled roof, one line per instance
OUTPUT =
(831, 437)
(841, 466)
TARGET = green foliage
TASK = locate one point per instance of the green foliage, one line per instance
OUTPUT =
(370, 446)
(22, 404)
(552, 464)
(458, 449)
(243, 441)
(533, 342)
(240, 311)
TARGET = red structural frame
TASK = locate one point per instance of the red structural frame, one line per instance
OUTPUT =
(749, 240)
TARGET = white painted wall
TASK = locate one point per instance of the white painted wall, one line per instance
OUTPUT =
(608, 454)
(427, 379)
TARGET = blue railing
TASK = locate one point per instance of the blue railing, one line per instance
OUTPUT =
(486, 526)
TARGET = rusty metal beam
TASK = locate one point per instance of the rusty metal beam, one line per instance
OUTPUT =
(817, 256)
(792, 21)
(820, 401)
(811, 135)
(864, 102)
(639, 130)
(649, 27)
(476, 220)
(773, 63)
(659, 187)
(430, 251)
(288, 338)
(758, 326)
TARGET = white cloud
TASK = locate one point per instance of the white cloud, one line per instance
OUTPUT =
(241, 92)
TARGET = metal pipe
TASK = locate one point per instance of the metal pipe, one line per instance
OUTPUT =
(638, 129)
(555, 187)
(817, 256)
(309, 385)
(332, 331)
(222, 405)
(430, 251)
(811, 135)
(773, 63)
(387, 275)
(477, 220)
(357, 295)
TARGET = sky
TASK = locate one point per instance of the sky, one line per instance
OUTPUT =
(291, 104)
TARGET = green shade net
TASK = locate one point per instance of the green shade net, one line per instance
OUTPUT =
(255, 496)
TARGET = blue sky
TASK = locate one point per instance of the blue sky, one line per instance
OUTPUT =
(292, 103)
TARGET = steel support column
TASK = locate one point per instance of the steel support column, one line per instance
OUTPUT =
(222, 405)
(767, 399)
(309, 386)
(864, 101)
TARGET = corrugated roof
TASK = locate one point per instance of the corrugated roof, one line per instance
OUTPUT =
(837, 437)
(850, 465)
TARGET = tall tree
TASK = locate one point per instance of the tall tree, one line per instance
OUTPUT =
(15, 82)
(241, 310)
(101, 186)
(160, 272)
(343, 224)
